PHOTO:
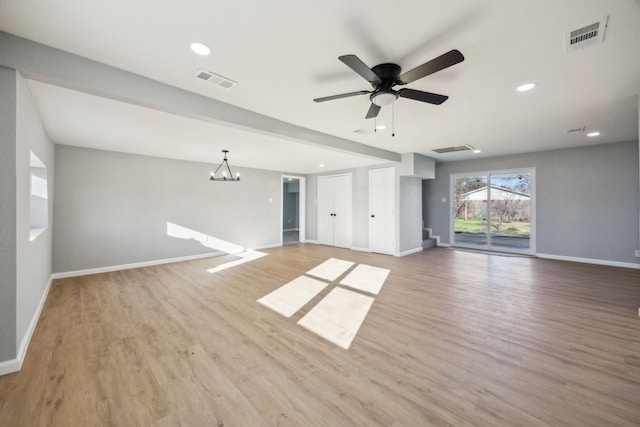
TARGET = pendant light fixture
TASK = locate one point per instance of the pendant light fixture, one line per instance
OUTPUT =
(224, 176)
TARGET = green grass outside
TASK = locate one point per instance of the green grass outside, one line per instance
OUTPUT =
(519, 229)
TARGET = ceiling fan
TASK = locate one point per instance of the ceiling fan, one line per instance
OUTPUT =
(384, 77)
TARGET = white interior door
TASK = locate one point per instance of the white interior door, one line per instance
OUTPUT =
(342, 209)
(382, 211)
(335, 210)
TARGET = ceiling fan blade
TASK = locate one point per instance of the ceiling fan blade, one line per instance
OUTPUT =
(418, 95)
(373, 111)
(360, 67)
(440, 63)
(342, 95)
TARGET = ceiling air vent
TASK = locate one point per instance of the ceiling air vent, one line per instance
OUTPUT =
(584, 36)
(362, 131)
(465, 147)
(216, 79)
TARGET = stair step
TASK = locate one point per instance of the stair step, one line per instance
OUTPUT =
(428, 243)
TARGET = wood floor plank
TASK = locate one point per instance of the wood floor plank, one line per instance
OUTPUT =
(452, 339)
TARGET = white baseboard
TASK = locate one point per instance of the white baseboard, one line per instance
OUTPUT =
(24, 345)
(360, 249)
(14, 365)
(10, 366)
(272, 245)
(589, 261)
(409, 252)
(290, 229)
(315, 242)
(64, 275)
(444, 245)
(76, 273)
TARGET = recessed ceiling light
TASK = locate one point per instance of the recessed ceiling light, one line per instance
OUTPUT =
(525, 87)
(320, 165)
(477, 150)
(592, 134)
(380, 127)
(200, 48)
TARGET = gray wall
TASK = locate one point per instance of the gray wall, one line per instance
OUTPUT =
(587, 199)
(113, 208)
(410, 214)
(25, 266)
(34, 257)
(8, 348)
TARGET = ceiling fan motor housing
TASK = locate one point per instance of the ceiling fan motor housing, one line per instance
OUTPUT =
(388, 73)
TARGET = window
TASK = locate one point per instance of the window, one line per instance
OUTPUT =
(39, 198)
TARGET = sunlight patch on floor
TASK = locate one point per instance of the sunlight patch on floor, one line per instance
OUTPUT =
(338, 316)
(366, 278)
(331, 269)
(245, 257)
(290, 298)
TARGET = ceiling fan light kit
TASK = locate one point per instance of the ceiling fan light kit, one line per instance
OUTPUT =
(384, 97)
(384, 77)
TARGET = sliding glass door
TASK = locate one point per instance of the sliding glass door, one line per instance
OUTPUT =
(494, 211)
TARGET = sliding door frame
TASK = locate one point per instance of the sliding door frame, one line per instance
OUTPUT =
(532, 207)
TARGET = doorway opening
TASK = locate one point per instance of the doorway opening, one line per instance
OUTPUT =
(494, 211)
(293, 210)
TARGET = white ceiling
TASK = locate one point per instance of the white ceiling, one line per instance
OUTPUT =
(285, 53)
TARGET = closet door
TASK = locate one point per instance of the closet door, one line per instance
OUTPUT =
(342, 208)
(382, 218)
(335, 210)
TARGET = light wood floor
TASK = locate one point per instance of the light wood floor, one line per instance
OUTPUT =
(453, 338)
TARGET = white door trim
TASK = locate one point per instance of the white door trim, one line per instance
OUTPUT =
(302, 207)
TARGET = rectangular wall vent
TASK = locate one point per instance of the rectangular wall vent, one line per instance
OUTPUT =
(587, 35)
(216, 79)
(465, 147)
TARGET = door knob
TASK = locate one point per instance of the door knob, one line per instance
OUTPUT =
(373, 216)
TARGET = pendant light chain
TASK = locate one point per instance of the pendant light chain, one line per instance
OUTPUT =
(393, 120)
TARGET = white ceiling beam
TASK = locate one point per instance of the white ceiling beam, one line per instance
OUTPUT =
(43, 63)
